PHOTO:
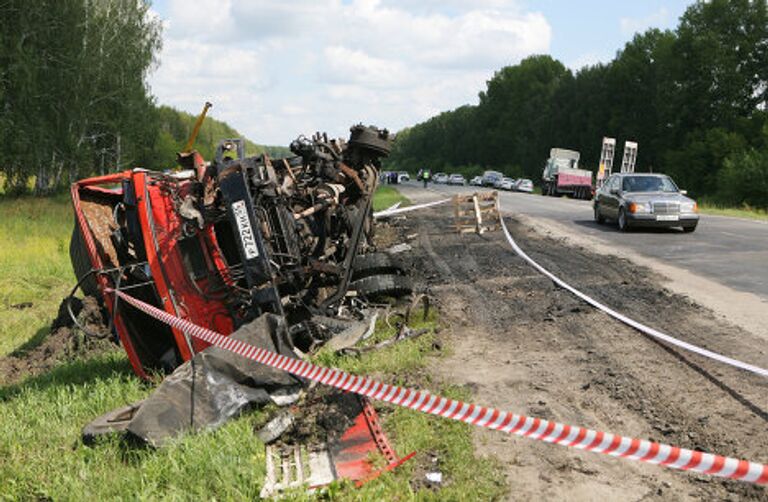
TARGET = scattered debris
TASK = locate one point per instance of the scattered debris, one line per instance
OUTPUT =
(334, 435)
(281, 422)
(353, 334)
(434, 477)
(399, 248)
(428, 474)
(405, 333)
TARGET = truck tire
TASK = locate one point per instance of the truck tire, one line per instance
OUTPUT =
(689, 229)
(370, 264)
(381, 286)
(81, 263)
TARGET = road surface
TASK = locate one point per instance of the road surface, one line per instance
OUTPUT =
(730, 251)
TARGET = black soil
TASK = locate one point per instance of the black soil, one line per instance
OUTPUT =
(64, 342)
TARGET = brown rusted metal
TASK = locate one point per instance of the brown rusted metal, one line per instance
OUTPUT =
(348, 171)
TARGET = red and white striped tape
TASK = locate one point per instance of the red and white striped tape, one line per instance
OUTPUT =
(490, 418)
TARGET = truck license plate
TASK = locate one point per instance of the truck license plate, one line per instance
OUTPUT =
(667, 217)
(247, 236)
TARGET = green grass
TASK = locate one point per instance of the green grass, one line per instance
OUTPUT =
(42, 457)
(743, 212)
(386, 196)
(34, 265)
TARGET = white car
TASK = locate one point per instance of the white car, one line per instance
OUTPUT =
(506, 183)
(457, 179)
(403, 176)
(440, 178)
(476, 181)
(524, 185)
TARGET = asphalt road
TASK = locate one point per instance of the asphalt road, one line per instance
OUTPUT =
(730, 251)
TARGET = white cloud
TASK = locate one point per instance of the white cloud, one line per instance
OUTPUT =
(630, 26)
(344, 65)
(276, 69)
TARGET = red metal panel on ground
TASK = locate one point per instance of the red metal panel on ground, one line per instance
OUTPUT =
(360, 444)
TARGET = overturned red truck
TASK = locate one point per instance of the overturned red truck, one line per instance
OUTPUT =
(222, 242)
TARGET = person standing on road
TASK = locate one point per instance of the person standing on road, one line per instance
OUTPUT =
(425, 175)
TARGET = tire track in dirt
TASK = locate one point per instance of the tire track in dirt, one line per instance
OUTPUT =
(526, 346)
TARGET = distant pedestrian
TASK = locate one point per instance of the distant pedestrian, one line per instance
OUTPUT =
(425, 176)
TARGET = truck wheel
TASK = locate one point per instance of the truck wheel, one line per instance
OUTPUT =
(81, 262)
(622, 221)
(366, 265)
(381, 286)
(689, 229)
(599, 218)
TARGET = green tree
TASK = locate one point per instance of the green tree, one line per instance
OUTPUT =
(73, 84)
(744, 179)
(721, 56)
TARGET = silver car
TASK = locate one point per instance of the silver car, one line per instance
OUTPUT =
(524, 185)
(506, 183)
(645, 200)
(440, 178)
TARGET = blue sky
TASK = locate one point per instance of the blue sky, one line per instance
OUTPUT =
(598, 28)
(275, 69)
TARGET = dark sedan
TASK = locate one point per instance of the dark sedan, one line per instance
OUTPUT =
(645, 200)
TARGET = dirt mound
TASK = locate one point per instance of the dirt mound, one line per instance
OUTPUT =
(65, 341)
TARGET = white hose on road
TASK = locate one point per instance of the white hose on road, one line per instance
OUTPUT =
(392, 212)
(631, 322)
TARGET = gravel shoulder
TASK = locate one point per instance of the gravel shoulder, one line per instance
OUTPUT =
(526, 346)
